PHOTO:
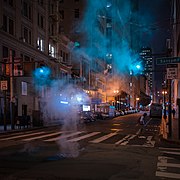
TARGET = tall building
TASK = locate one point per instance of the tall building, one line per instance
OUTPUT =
(176, 52)
(28, 41)
(146, 56)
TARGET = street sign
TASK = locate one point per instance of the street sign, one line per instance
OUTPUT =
(4, 85)
(172, 73)
(167, 60)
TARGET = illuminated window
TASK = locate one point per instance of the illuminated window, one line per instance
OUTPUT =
(40, 44)
(51, 50)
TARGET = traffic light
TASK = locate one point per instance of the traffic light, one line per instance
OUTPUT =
(42, 75)
(76, 44)
(136, 68)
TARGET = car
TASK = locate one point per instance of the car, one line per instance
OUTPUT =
(117, 113)
(101, 115)
(121, 112)
(156, 110)
(87, 116)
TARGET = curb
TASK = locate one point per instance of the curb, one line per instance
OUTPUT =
(169, 140)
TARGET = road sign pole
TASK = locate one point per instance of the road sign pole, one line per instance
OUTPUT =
(5, 110)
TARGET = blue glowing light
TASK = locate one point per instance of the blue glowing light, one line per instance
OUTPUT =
(64, 102)
(79, 99)
(138, 66)
(42, 75)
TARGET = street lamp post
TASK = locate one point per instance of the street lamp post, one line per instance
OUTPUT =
(164, 103)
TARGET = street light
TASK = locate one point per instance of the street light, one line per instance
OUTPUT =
(137, 102)
(164, 92)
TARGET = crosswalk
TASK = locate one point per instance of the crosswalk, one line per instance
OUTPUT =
(168, 165)
(115, 138)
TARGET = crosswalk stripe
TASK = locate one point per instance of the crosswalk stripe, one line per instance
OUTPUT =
(63, 136)
(24, 135)
(167, 175)
(127, 140)
(120, 141)
(84, 137)
(169, 152)
(173, 149)
(39, 137)
(168, 164)
(98, 140)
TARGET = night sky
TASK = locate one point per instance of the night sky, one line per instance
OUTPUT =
(156, 15)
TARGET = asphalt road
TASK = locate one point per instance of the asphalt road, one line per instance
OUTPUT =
(118, 148)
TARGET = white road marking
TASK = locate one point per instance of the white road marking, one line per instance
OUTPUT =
(169, 152)
(165, 164)
(24, 135)
(98, 140)
(173, 149)
(84, 137)
(42, 136)
(167, 175)
(63, 136)
(120, 141)
(127, 141)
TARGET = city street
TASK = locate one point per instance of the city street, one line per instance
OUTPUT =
(115, 148)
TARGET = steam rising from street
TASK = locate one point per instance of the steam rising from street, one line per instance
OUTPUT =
(61, 100)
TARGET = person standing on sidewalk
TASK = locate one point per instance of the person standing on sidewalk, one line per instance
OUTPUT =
(173, 112)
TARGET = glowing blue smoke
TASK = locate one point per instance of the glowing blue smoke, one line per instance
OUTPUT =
(123, 18)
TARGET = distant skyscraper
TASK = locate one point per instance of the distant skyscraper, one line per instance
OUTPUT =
(146, 56)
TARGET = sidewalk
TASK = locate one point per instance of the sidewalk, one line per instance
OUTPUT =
(165, 130)
(9, 129)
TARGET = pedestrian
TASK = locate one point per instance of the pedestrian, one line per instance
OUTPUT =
(173, 112)
(142, 119)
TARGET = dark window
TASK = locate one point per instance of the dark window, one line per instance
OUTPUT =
(27, 35)
(62, 14)
(8, 25)
(61, 29)
(76, 13)
(11, 27)
(5, 23)
(67, 57)
(40, 2)
(11, 3)
(40, 21)
(26, 58)
(26, 11)
(5, 52)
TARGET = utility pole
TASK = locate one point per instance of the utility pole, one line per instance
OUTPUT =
(11, 89)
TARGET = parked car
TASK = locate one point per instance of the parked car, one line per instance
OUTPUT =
(87, 116)
(101, 115)
(121, 112)
(117, 113)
